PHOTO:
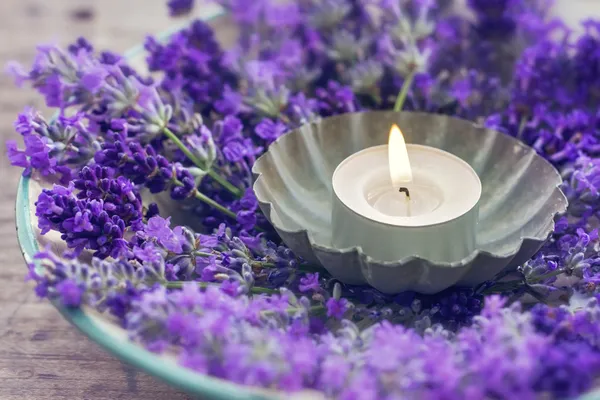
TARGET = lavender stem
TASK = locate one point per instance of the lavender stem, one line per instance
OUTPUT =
(219, 179)
(404, 91)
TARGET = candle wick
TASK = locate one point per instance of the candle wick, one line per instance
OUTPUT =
(405, 191)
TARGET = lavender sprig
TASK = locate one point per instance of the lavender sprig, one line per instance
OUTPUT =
(96, 216)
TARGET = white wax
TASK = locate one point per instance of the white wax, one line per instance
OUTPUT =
(390, 201)
(443, 188)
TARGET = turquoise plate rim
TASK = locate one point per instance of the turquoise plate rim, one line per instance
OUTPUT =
(129, 352)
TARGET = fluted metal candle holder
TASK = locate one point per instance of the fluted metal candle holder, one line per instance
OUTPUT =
(520, 198)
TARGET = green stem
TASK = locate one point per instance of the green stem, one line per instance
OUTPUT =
(202, 254)
(262, 290)
(552, 274)
(301, 267)
(312, 310)
(169, 133)
(316, 309)
(512, 285)
(404, 91)
(213, 204)
(223, 182)
(179, 285)
(207, 200)
(202, 197)
(375, 96)
(265, 264)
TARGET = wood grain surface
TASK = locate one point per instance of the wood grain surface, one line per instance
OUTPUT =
(41, 355)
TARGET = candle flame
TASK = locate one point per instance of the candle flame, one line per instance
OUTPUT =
(400, 170)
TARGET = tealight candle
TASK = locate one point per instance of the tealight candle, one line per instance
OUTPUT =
(399, 200)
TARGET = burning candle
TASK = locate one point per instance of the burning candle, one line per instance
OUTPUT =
(399, 200)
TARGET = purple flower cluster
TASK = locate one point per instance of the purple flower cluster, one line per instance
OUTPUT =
(230, 300)
(103, 284)
(140, 164)
(93, 212)
(180, 7)
(52, 148)
(219, 330)
(219, 257)
(551, 109)
(504, 353)
(192, 61)
(581, 186)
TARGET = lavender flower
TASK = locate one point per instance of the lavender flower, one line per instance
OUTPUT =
(270, 130)
(410, 60)
(309, 283)
(59, 146)
(62, 78)
(301, 109)
(327, 14)
(154, 113)
(35, 156)
(81, 44)
(202, 147)
(585, 60)
(268, 102)
(470, 89)
(180, 7)
(160, 319)
(335, 99)
(75, 283)
(581, 186)
(346, 47)
(96, 217)
(364, 78)
(537, 76)
(336, 308)
(140, 164)
(158, 228)
(189, 62)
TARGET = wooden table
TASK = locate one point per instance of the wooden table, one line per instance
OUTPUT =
(41, 355)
